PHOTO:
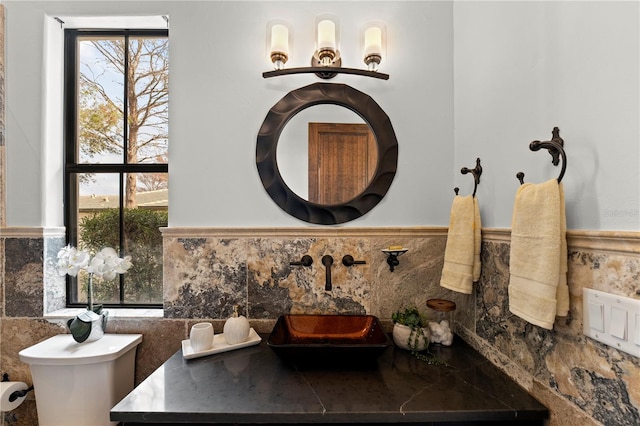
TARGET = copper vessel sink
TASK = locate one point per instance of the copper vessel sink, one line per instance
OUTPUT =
(328, 339)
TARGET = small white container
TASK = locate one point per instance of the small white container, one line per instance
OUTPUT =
(201, 336)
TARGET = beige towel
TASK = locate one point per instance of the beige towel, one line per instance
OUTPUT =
(538, 258)
(477, 241)
(462, 253)
(562, 294)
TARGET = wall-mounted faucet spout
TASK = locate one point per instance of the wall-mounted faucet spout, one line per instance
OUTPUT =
(327, 261)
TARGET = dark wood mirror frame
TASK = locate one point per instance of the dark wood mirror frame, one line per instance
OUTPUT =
(336, 94)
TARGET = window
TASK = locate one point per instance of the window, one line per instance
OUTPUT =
(116, 166)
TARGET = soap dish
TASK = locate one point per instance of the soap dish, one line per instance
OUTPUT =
(219, 345)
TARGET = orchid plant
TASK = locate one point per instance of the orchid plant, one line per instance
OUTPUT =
(105, 264)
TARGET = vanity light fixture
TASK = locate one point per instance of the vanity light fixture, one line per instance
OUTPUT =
(326, 61)
(393, 253)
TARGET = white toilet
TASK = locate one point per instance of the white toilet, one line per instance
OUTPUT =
(79, 383)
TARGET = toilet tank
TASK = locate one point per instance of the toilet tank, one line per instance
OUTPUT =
(79, 383)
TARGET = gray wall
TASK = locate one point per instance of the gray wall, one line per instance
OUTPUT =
(515, 70)
(522, 68)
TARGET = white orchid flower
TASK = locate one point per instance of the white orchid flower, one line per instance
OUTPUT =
(105, 264)
(79, 258)
(63, 260)
(108, 253)
(123, 265)
(96, 265)
(64, 252)
(105, 271)
(65, 268)
(71, 260)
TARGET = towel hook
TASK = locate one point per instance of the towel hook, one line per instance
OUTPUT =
(555, 148)
(476, 172)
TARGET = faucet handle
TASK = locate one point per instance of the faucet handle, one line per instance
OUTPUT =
(305, 261)
(348, 260)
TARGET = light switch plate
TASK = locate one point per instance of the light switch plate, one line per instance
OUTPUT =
(612, 320)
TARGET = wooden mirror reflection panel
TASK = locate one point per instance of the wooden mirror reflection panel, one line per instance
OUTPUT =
(342, 160)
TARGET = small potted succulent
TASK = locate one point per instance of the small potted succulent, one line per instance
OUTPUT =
(410, 330)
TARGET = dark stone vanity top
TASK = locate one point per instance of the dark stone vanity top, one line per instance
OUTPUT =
(253, 385)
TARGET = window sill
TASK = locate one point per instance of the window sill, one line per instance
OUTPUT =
(113, 313)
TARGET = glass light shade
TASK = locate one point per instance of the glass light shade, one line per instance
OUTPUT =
(373, 41)
(326, 34)
(279, 46)
(279, 39)
(373, 47)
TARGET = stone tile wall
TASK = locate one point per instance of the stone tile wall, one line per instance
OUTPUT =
(208, 274)
(582, 381)
(207, 271)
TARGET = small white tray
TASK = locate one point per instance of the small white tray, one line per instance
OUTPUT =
(219, 345)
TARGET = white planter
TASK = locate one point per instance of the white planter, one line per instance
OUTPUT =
(97, 327)
(88, 326)
(402, 333)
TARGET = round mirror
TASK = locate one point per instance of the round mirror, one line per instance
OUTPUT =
(382, 169)
(327, 154)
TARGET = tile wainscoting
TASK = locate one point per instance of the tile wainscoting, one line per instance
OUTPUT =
(581, 381)
(209, 270)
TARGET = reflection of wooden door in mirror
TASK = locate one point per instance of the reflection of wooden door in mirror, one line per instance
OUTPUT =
(342, 161)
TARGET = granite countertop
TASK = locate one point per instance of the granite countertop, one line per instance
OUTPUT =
(253, 385)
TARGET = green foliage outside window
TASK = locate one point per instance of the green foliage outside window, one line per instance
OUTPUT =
(143, 242)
